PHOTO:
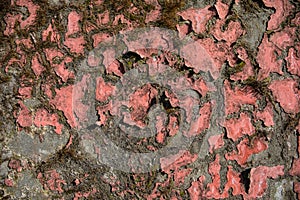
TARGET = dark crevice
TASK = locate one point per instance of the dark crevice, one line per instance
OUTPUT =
(245, 179)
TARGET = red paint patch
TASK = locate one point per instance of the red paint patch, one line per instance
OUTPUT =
(267, 60)
(25, 117)
(258, 178)
(215, 142)
(214, 171)
(235, 98)
(63, 101)
(103, 90)
(283, 9)
(36, 65)
(76, 45)
(231, 34)
(99, 37)
(295, 170)
(245, 150)
(284, 38)
(293, 62)
(266, 115)
(44, 118)
(73, 23)
(140, 102)
(198, 17)
(202, 122)
(222, 9)
(25, 92)
(287, 94)
(236, 128)
(51, 180)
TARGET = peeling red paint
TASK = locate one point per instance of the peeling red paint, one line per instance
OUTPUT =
(215, 142)
(231, 34)
(63, 101)
(52, 33)
(267, 60)
(283, 9)
(25, 117)
(115, 68)
(44, 118)
(236, 97)
(73, 23)
(245, 150)
(202, 122)
(284, 38)
(198, 17)
(222, 9)
(25, 92)
(214, 171)
(196, 189)
(103, 112)
(174, 162)
(258, 178)
(266, 115)
(76, 45)
(36, 65)
(287, 94)
(140, 102)
(247, 70)
(295, 170)
(8, 182)
(293, 62)
(103, 18)
(99, 37)
(103, 90)
(15, 164)
(236, 128)
(297, 189)
(51, 180)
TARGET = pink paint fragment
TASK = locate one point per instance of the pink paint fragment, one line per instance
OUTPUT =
(231, 34)
(183, 30)
(222, 9)
(234, 182)
(44, 118)
(236, 128)
(115, 68)
(237, 97)
(267, 60)
(25, 92)
(8, 182)
(99, 37)
(15, 164)
(174, 162)
(36, 65)
(214, 171)
(25, 117)
(103, 112)
(103, 18)
(215, 142)
(218, 52)
(258, 178)
(52, 33)
(10, 21)
(76, 45)
(200, 86)
(287, 94)
(266, 115)
(140, 102)
(293, 62)
(64, 101)
(245, 150)
(172, 127)
(73, 23)
(51, 180)
(32, 9)
(196, 189)
(284, 38)
(202, 122)
(103, 89)
(198, 17)
(295, 170)
(283, 9)
(247, 70)
(297, 189)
